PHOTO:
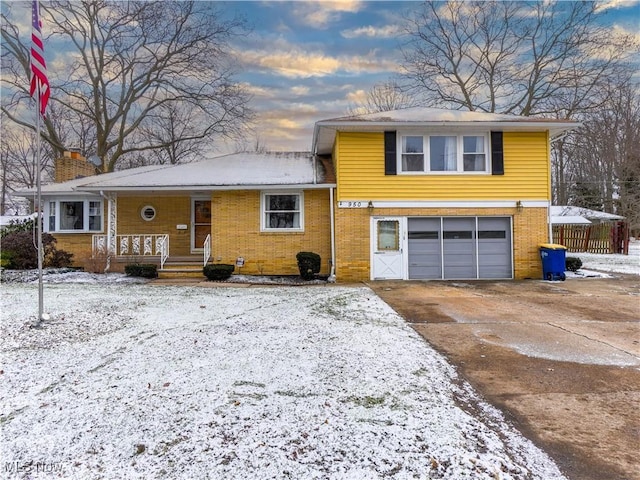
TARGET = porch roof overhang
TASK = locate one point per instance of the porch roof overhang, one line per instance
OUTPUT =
(434, 119)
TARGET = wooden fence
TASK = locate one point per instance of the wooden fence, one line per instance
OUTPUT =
(612, 237)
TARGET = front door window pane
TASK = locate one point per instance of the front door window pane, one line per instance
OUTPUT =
(201, 222)
(388, 235)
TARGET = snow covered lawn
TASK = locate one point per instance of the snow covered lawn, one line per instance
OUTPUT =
(132, 381)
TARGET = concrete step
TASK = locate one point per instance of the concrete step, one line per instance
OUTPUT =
(180, 273)
(181, 269)
(182, 266)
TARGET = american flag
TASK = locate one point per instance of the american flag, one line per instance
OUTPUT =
(39, 80)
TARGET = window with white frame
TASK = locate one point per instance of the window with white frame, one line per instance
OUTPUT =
(443, 153)
(74, 215)
(282, 211)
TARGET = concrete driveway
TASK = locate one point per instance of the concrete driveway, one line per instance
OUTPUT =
(561, 359)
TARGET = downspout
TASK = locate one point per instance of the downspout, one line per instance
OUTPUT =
(549, 223)
(332, 274)
(315, 168)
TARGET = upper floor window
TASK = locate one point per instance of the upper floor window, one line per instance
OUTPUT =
(282, 211)
(73, 215)
(443, 153)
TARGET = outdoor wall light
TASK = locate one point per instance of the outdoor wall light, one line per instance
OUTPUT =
(519, 205)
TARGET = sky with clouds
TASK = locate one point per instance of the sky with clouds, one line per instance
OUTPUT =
(306, 61)
(310, 60)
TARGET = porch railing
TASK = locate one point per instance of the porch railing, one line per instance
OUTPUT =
(207, 249)
(135, 245)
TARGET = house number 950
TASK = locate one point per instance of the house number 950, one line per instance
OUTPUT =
(353, 204)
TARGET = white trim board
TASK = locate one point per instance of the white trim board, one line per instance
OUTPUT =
(447, 204)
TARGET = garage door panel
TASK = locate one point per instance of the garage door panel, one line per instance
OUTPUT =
(433, 272)
(467, 253)
(425, 256)
(494, 248)
(465, 272)
(458, 248)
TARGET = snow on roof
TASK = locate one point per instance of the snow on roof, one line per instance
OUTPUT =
(426, 114)
(72, 187)
(569, 220)
(570, 211)
(324, 132)
(239, 169)
(6, 220)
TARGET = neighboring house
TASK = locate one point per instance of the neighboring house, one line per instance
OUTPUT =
(566, 214)
(584, 230)
(418, 193)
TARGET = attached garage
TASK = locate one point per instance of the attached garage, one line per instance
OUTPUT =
(459, 247)
(446, 248)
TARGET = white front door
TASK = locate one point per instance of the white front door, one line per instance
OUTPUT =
(387, 261)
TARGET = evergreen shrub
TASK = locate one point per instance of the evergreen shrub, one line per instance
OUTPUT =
(19, 251)
(143, 270)
(573, 264)
(308, 264)
(218, 271)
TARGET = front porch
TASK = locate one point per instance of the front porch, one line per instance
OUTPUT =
(150, 248)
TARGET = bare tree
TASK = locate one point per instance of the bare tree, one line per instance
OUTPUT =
(523, 58)
(131, 69)
(605, 161)
(383, 97)
(18, 165)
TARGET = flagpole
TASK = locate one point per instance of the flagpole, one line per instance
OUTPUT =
(39, 209)
(39, 86)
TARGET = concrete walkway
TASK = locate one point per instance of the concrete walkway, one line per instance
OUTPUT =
(561, 359)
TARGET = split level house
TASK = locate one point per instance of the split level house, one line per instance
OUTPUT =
(417, 193)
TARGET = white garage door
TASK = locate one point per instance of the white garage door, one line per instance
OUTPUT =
(459, 247)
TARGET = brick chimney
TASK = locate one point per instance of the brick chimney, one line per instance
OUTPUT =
(72, 165)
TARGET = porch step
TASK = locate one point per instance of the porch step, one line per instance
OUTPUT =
(181, 270)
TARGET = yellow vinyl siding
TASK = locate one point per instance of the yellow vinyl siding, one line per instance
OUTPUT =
(360, 167)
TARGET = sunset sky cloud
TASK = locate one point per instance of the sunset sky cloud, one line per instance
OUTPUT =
(306, 61)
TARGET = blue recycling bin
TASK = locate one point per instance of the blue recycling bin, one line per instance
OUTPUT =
(553, 261)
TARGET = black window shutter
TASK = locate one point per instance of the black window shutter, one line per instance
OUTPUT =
(390, 155)
(497, 154)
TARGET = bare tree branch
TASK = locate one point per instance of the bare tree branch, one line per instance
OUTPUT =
(383, 97)
(511, 57)
(132, 66)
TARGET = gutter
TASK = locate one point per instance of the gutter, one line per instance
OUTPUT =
(208, 188)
